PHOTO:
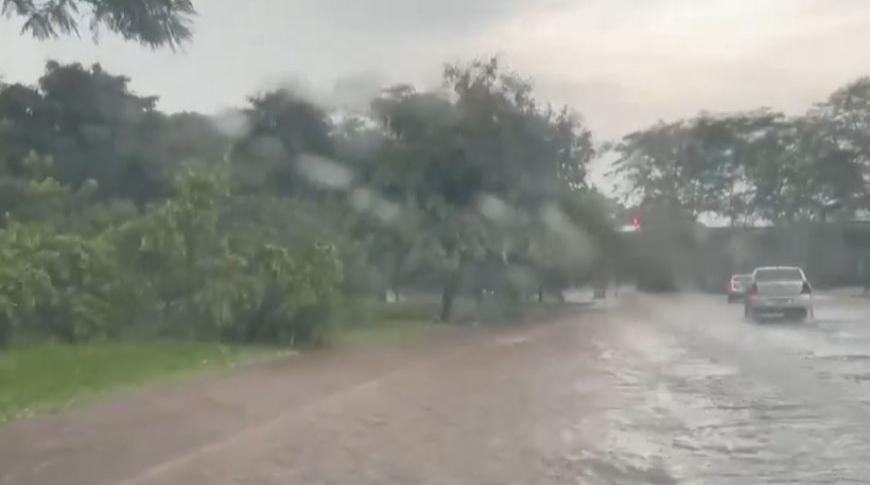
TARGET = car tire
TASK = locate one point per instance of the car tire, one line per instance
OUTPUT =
(797, 315)
(754, 316)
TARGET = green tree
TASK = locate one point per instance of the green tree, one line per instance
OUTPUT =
(747, 166)
(93, 128)
(212, 275)
(62, 286)
(155, 23)
(685, 164)
(796, 168)
(845, 120)
(283, 128)
(487, 140)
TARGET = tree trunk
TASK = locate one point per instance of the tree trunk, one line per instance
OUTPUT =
(540, 294)
(448, 294)
(732, 210)
(396, 276)
(5, 333)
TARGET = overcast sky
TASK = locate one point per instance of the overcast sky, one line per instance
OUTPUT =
(622, 63)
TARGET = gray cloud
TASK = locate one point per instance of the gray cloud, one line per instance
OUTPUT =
(421, 18)
(622, 63)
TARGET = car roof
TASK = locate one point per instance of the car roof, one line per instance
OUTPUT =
(768, 268)
(777, 268)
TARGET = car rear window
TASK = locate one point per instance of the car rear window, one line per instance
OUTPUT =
(743, 279)
(784, 274)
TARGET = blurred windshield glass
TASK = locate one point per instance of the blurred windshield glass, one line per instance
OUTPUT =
(780, 274)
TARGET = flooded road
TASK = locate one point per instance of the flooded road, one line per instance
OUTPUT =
(643, 389)
(705, 397)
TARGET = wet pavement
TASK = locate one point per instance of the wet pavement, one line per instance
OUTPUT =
(643, 389)
(706, 397)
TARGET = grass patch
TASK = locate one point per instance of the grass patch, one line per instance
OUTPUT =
(390, 331)
(378, 322)
(49, 377)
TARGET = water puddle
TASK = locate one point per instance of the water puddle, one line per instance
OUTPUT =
(678, 417)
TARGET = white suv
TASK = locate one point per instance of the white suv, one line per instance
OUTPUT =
(779, 289)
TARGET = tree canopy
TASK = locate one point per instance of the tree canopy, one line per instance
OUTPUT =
(155, 23)
(265, 222)
(256, 231)
(753, 167)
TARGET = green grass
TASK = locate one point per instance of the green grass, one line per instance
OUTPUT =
(384, 332)
(413, 318)
(49, 377)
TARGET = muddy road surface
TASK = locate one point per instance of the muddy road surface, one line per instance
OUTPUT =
(644, 389)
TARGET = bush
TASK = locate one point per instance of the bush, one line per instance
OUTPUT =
(58, 285)
(229, 281)
(271, 296)
(173, 264)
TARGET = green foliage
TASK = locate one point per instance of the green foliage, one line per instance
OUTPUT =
(237, 288)
(490, 144)
(58, 285)
(271, 296)
(31, 201)
(37, 197)
(151, 22)
(283, 127)
(269, 230)
(90, 127)
(756, 166)
(577, 220)
(259, 225)
(173, 264)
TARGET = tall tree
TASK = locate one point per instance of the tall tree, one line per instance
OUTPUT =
(92, 126)
(484, 139)
(655, 164)
(23, 127)
(845, 119)
(282, 128)
(757, 165)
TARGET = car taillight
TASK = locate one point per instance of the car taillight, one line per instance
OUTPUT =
(753, 291)
(806, 290)
(733, 286)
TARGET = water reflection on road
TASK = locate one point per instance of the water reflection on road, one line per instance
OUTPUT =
(635, 390)
(704, 397)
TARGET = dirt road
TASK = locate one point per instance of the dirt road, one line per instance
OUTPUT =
(421, 413)
(646, 390)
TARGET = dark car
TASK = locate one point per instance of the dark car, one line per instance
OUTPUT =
(738, 286)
